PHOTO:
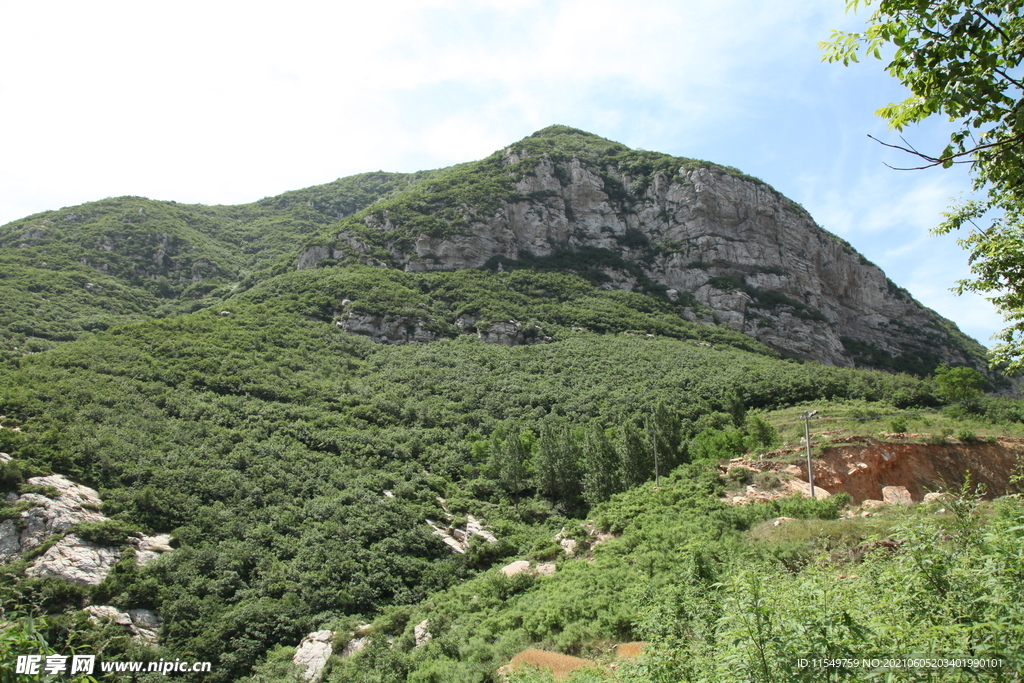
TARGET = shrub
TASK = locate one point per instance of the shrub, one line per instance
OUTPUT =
(48, 491)
(807, 508)
(898, 425)
(111, 532)
(966, 435)
(739, 474)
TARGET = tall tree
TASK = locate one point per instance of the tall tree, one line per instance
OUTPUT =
(557, 465)
(636, 458)
(961, 59)
(601, 476)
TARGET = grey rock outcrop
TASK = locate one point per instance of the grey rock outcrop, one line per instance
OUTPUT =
(357, 642)
(72, 558)
(512, 333)
(729, 248)
(148, 548)
(73, 503)
(517, 567)
(355, 646)
(388, 329)
(458, 539)
(141, 624)
(312, 654)
(76, 561)
(421, 633)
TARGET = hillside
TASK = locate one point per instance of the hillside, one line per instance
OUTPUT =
(714, 245)
(723, 247)
(117, 260)
(356, 446)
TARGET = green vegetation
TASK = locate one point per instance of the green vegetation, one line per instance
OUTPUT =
(89, 267)
(719, 594)
(171, 357)
(263, 440)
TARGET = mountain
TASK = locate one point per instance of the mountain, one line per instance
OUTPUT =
(718, 246)
(122, 259)
(723, 246)
(438, 391)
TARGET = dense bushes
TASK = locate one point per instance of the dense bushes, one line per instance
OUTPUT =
(264, 441)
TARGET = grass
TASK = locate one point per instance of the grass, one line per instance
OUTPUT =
(842, 420)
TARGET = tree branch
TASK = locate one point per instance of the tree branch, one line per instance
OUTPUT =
(938, 161)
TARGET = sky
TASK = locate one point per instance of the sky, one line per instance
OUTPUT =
(226, 102)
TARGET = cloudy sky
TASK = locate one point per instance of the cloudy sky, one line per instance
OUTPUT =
(223, 102)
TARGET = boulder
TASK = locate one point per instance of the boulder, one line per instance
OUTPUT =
(142, 624)
(145, 624)
(421, 633)
(475, 528)
(102, 613)
(148, 548)
(355, 645)
(896, 495)
(312, 654)
(459, 539)
(517, 567)
(76, 561)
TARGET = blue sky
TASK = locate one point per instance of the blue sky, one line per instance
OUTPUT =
(223, 102)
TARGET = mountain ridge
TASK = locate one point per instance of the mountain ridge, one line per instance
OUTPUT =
(725, 246)
(721, 246)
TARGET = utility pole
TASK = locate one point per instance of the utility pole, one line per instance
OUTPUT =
(807, 439)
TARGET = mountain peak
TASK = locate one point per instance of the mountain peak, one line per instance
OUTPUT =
(723, 247)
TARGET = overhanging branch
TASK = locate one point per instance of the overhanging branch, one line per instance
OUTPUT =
(939, 161)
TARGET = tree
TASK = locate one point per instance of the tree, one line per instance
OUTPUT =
(557, 465)
(958, 384)
(511, 461)
(636, 457)
(961, 59)
(601, 478)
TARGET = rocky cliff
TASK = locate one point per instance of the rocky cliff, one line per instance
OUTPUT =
(725, 247)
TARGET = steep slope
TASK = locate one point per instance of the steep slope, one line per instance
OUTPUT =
(725, 247)
(295, 464)
(122, 259)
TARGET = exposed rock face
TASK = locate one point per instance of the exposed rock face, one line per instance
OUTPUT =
(421, 633)
(458, 539)
(517, 567)
(141, 624)
(864, 471)
(512, 333)
(740, 253)
(389, 329)
(520, 566)
(313, 653)
(72, 558)
(356, 645)
(877, 473)
(76, 561)
(73, 504)
(148, 548)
